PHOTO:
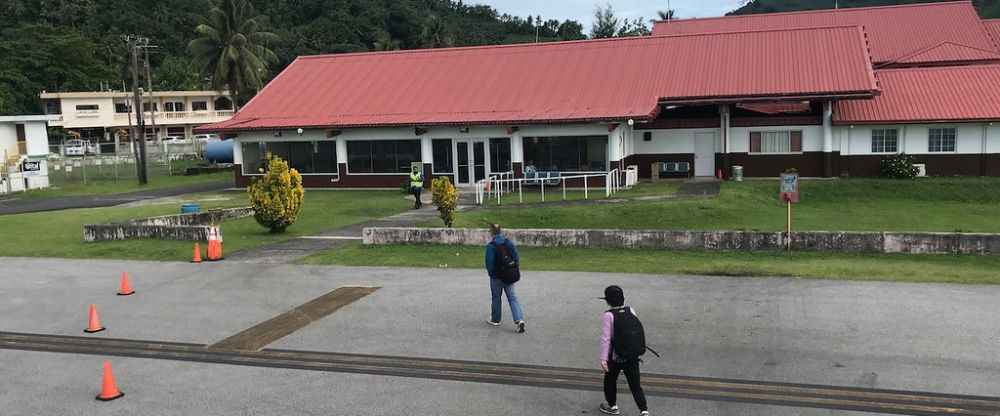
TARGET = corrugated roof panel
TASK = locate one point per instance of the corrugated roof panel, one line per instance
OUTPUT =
(612, 79)
(895, 31)
(949, 52)
(993, 27)
(959, 93)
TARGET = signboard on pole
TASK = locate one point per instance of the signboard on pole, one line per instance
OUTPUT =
(31, 168)
(789, 187)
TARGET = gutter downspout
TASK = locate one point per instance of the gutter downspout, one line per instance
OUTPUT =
(827, 139)
(724, 129)
(982, 156)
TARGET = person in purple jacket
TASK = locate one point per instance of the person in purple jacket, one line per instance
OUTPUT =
(610, 362)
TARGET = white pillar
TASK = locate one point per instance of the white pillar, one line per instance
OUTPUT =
(426, 149)
(516, 147)
(615, 141)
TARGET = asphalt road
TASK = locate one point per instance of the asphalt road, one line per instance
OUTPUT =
(20, 206)
(915, 337)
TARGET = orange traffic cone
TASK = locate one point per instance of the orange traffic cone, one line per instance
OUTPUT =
(109, 391)
(95, 322)
(197, 254)
(126, 287)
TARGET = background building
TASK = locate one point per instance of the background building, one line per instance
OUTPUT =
(24, 144)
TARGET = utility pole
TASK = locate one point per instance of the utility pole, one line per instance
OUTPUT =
(149, 88)
(140, 130)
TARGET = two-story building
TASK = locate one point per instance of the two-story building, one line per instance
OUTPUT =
(98, 116)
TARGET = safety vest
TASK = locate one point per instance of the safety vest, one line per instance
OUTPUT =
(415, 181)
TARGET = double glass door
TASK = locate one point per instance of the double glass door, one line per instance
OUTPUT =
(471, 160)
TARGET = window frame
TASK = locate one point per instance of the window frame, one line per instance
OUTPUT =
(791, 142)
(347, 156)
(552, 149)
(954, 139)
(336, 161)
(884, 131)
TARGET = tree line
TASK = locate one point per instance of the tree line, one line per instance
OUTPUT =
(77, 45)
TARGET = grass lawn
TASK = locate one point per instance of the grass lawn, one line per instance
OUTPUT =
(533, 194)
(101, 180)
(807, 265)
(926, 204)
(60, 233)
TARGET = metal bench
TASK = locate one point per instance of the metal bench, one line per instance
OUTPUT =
(668, 168)
(537, 178)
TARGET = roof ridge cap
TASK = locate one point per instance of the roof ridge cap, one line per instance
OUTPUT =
(891, 6)
(939, 68)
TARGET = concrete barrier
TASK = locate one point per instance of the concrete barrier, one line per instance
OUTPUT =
(191, 227)
(877, 242)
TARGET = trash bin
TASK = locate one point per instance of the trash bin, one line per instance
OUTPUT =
(738, 173)
(190, 208)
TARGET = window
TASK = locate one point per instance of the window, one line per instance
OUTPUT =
(87, 107)
(145, 107)
(22, 144)
(567, 154)
(122, 108)
(223, 104)
(306, 157)
(53, 107)
(199, 106)
(884, 140)
(776, 141)
(173, 106)
(941, 140)
(443, 160)
(500, 154)
(382, 156)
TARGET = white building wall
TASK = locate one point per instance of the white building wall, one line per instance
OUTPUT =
(672, 140)
(914, 138)
(8, 139)
(37, 137)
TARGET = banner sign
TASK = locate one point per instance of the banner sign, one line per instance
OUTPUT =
(789, 190)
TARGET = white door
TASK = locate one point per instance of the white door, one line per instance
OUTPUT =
(704, 154)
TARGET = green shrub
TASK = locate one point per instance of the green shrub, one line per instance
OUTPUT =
(898, 167)
(446, 198)
(276, 197)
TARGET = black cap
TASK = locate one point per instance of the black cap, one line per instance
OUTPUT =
(614, 295)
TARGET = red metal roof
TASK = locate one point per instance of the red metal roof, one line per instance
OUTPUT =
(894, 31)
(592, 80)
(993, 27)
(948, 52)
(957, 93)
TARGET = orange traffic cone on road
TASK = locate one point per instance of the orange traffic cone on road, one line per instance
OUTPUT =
(95, 322)
(126, 287)
(109, 391)
(197, 254)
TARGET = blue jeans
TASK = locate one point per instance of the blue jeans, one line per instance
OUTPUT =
(498, 287)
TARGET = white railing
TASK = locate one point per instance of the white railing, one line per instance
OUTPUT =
(497, 185)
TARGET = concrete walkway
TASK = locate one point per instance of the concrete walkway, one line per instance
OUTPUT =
(862, 335)
(19, 206)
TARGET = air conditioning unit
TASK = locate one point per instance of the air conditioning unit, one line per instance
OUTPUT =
(921, 169)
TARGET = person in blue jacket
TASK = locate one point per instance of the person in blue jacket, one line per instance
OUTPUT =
(498, 287)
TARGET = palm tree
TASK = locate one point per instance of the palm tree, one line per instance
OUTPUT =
(666, 14)
(435, 35)
(386, 43)
(232, 48)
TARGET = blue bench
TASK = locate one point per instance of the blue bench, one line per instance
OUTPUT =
(537, 178)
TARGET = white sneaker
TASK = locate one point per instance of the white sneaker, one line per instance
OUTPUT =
(490, 321)
(520, 327)
(644, 413)
(611, 410)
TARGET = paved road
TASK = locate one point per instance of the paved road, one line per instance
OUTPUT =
(19, 206)
(919, 337)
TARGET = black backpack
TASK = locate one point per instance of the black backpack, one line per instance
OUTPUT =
(504, 263)
(628, 339)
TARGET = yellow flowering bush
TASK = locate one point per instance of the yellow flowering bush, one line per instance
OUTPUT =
(276, 197)
(446, 198)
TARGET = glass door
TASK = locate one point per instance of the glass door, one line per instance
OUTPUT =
(472, 160)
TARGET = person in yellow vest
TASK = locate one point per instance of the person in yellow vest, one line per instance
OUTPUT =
(416, 186)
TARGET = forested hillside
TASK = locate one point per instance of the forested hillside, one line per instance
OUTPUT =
(986, 8)
(76, 45)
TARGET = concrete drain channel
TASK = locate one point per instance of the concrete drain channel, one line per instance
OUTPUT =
(744, 391)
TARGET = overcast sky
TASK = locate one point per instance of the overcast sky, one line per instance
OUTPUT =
(583, 10)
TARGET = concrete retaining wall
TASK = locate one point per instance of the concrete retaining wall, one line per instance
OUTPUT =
(191, 227)
(884, 242)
